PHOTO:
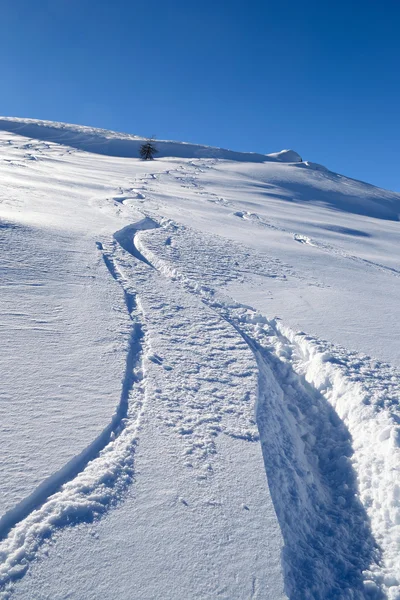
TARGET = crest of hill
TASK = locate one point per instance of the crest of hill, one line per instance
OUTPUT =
(111, 143)
(291, 179)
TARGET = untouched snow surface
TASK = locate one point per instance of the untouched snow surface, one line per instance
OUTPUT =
(173, 422)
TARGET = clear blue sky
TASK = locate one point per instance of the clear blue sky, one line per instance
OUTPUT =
(320, 77)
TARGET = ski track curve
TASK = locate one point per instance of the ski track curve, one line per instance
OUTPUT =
(315, 404)
(215, 393)
(212, 381)
(90, 482)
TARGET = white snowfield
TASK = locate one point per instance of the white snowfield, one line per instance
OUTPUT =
(200, 373)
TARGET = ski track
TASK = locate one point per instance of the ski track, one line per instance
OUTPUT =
(207, 386)
(207, 381)
(319, 409)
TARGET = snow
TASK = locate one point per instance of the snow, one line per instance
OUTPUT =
(174, 423)
(286, 156)
(124, 145)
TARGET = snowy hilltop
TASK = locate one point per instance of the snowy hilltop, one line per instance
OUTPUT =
(200, 373)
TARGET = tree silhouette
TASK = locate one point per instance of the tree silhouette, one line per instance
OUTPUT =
(148, 150)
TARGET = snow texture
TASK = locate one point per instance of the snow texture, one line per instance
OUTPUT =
(159, 391)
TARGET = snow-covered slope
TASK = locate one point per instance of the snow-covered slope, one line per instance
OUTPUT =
(110, 143)
(173, 423)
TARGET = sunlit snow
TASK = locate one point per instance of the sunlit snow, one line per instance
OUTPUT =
(200, 373)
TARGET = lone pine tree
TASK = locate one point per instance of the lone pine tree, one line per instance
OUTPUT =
(148, 150)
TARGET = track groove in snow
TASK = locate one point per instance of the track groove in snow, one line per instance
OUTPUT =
(312, 415)
(307, 452)
(126, 238)
(215, 394)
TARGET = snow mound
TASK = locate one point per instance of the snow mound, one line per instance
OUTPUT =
(286, 156)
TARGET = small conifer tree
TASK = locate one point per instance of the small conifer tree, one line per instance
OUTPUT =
(148, 150)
